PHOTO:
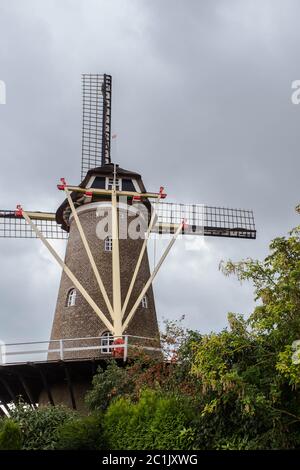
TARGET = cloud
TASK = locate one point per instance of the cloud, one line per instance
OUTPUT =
(201, 105)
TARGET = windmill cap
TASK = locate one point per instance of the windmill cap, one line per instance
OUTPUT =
(105, 170)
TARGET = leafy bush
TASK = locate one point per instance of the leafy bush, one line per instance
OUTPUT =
(156, 421)
(81, 434)
(106, 385)
(10, 436)
(143, 372)
(236, 389)
(250, 396)
(39, 426)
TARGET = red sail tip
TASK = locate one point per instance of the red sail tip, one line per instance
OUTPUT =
(62, 184)
(19, 211)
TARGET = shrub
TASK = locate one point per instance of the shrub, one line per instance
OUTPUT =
(156, 421)
(39, 426)
(10, 436)
(143, 372)
(107, 384)
(81, 434)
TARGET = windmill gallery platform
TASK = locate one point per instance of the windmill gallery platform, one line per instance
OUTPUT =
(105, 304)
(64, 380)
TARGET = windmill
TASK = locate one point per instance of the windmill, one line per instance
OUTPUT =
(105, 301)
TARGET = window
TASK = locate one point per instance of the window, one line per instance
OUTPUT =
(110, 183)
(106, 341)
(71, 298)
(99, 182)
(145, 302)
(127, 185)
(108, 244)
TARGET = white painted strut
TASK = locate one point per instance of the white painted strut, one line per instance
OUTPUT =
(89, 254)
(69, 273)
(116, 274)
(138, 264)
(150, 280)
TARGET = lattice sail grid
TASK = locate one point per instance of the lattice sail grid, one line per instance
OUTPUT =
(205, 220)
(16, 227)
(96, 121)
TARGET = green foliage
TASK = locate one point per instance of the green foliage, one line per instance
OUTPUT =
(81, 434)
(277, 286)
(156, 421)
(107, 384)
(250, 384)
(148, 372)
(39, 426)
(10, 436)
(236, 389)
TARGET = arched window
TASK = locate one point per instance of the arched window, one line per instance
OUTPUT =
(106, 340)
(108, 244)
(71, 297)
(145, 301)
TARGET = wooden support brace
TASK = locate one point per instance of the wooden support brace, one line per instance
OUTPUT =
(45, 383)
(70, 385)
(116, 275)
(108, 192)
(138, 264)
(27, 389)
(4, 411)
(89, 254)
(150, 280)
(8, 389)
(69, 273)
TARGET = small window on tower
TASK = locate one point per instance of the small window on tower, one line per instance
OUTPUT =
(110, 183)
(71, 298)
(106, 341)
(145, 302)
(108, 244)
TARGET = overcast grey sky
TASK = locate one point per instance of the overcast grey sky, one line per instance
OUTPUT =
(201, 105)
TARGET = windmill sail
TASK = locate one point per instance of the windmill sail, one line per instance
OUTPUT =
(96, 121)
(13, 226)
(200, 220)
(205, 220)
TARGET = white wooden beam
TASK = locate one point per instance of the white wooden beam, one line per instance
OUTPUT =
(89, 254)
(150, 280)
(108, 192)
(69, 273)
(116, 274)
(138, 264)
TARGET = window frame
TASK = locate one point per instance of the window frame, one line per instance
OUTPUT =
(106, 340)
(71, 297)
(108, 244)
(144, 302)
(109, 181)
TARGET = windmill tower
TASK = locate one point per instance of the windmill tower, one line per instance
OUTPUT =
(74, 316)
(105, 302)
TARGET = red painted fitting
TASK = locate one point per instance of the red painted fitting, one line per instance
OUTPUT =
(162, 193)
(63, 184)
(118, 352)
(184, 224)
(19, 211)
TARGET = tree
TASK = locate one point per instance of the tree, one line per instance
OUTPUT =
(250, 385)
